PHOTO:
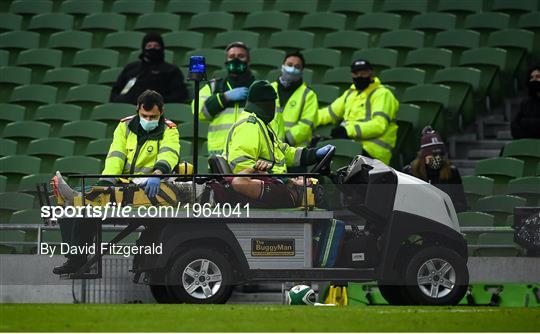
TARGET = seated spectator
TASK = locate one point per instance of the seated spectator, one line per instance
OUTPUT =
(526, 123)
(433, 166)
(151, 72)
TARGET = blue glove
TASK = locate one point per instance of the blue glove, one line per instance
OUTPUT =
(237, 94)
(321, 152)
(152, 187)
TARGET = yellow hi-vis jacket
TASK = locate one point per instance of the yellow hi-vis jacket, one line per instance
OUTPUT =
(368, 116)
(126, 157)
(249, 141)
(297, 117)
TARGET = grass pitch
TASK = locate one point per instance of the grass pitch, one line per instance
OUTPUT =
(258, 318)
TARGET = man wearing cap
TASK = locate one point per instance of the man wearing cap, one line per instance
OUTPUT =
(222, 100)
(253, 146)
(433, 166)
(151, 72)
(366, 112)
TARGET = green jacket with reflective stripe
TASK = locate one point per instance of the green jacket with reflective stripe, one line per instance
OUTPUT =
(221, 115)
(160, 153)
(368, 116)
(249, 140)
(295, 122)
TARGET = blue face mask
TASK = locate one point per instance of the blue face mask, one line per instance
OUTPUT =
(291, 70)
(148, 125)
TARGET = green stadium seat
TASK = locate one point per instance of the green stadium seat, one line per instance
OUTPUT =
(178, 112)
(211, 23)
(4, 58)
(241, 7)
(10, 22)
(527, 150)
(9, 241)
(486, 23)
(432, 23)
(26, 130)
(223, 39)
(500, 206)
(14, 166)
(326, 94)
(321, 60)
(48, 149)
(265, 23)
(460, 8)
(497, 244)
(7, 147)
(132, 9)
(14, 41)
(402, 41)
(406, 9)
(457, 41)
(531, 22)
(157, 22)
(13, 76)
(475, 219)
(347, 42)
(26, 216)
(3, 183)
(88, 96)
(78, 164)
(515, 8)
(109, 76)
(39, 60)
(181, 41)
(31, 7)
(476, 187)
(82, 132)
(465, 85)
(98, 148)
(186, 148)
(214, 58)
(340, 77)
(379, 58)
(490, 61)
(78, 7)
(111, 114)
(433, 101)
(402, 77)
(296, 9)
(70, 42)
(96, 60)
(501, 170)
(188, 7)
(32, 96)
(429, 60)
(377, 23)
(28, 183)
(10, 113)
(57, 114)
(323, 23)
(263, 59)
(406, 144)
(346, 150)
(124, 42)
(526, 187)
(65, 78)
(517, 43)
(290, 40)
(348, 7)
(100, 24)
(48, 23)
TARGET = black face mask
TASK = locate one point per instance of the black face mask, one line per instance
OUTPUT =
(265, 110)
(153, 56)
(534, 87)
(237, 66)
(361, 83)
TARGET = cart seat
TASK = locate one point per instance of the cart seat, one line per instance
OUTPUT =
(218, 165)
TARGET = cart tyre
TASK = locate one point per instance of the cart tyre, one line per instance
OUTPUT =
(161, 295)
(436, 276)
(200, 276)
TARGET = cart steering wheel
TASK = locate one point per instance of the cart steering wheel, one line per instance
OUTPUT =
(324, 164)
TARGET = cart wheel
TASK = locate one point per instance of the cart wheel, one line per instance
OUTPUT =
(394, 294)
(436, 276)
(200, 276)
(161, 295)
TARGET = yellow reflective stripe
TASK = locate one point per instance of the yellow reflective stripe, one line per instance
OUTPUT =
(230, 135)
(381, 143)
(382, 114)
(332, 114)
(368, 105)
(168, 149)
(290, 137)
(220, 127)
(116, 154)
(238, 160)
(358, 131)
(308, 122)
(219, 101)
(161, 161)
(297, 155)
(205, 112)
(290, 124)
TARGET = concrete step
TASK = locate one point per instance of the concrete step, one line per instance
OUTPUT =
(464, 163)
(459, 148)
(490, 127)
(504, 135)
(478, 154)
(466, 171)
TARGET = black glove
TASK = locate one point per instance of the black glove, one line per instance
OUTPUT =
(339, 132)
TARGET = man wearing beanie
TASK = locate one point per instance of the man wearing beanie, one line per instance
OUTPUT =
(366, 112)
(433, 166)
(222, 100)
(252, 146)
(151, 72)
(526, 122)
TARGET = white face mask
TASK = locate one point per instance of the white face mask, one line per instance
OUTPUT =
(289, 75)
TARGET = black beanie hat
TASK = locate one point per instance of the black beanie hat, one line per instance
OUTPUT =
(152, 37)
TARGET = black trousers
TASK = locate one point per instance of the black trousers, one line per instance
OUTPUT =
(77, 233)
